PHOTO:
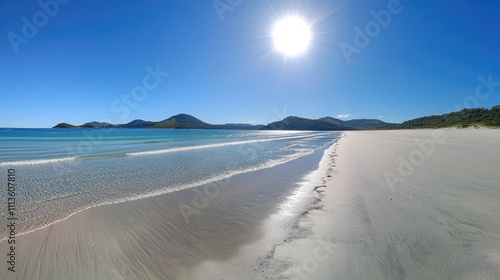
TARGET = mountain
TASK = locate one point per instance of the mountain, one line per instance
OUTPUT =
(296, 123)
(137, 124)
(368, 123)
(326, 123)
(180, 121)
(183, 121)
(99, 125)
(463, 118)
(65, 125)
(333, 121)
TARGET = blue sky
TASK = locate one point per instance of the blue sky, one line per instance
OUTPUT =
(83, 59)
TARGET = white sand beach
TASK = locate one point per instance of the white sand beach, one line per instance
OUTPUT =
(440, 222)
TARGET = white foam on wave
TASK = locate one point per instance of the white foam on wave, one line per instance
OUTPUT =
(220, 177)
(36, 161)
(153, 152)
(190, 148)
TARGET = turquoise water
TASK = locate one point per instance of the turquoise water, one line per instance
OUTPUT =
(43, 144)
(63, 171)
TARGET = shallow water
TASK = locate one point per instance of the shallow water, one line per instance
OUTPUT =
(61, 172)
(163, 236)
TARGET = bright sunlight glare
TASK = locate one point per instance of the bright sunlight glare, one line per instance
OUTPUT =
(291, 36)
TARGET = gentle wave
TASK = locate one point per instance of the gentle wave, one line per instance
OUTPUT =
(36, 161)
(152, 152)
(190, 148)
(206, 181)
(101, 156)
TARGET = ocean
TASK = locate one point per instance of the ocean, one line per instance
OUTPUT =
(60, 172)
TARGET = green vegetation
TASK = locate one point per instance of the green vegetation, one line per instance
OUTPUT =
(326, 123)
(296, 123)
(181, 121)
(64, 125)
(461, 119)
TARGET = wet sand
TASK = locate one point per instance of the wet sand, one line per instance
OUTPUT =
(160, 237)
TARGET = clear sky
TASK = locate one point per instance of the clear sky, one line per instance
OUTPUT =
(78, 61)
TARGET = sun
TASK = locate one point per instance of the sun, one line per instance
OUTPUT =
(291, 36)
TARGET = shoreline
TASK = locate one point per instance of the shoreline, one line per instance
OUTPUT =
(212, 180)
(286, 225)
(331, 215)
(170, 232)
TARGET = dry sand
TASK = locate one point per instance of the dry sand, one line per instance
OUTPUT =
(382, 205)
(439, 221)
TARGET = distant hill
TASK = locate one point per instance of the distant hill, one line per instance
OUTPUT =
(99, 125)
(333, 121)
(138, 124)
(464, 118)
(296, 123)
(326, 123)
(65, 125)
(180, 121)
(368, 123)
(183, 121)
